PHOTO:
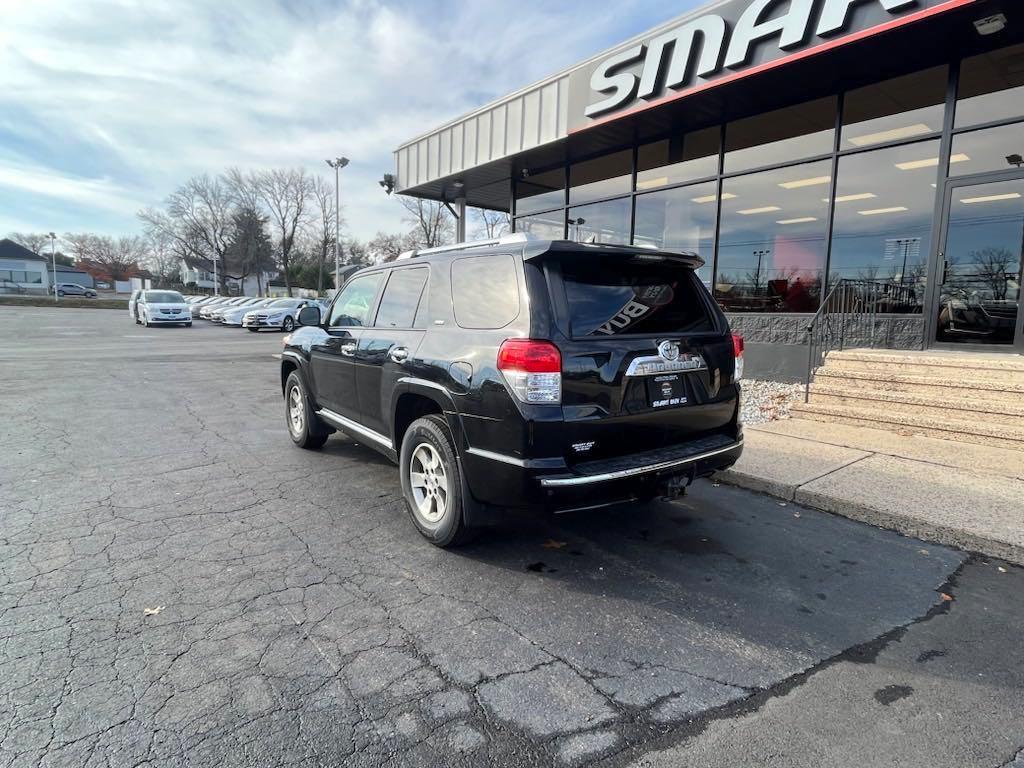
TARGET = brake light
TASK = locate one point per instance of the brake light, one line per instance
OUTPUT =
(532, 369)
(737, 351)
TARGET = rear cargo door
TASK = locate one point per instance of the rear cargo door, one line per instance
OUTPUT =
(647, 360)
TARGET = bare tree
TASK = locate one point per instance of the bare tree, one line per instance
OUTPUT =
(198, 220)
(161, 258)
(993, 267)
(287, 195)
(322, 225)
(37, 242)
(492, 224)
(117, 257)
(384, 247)
(431, 223)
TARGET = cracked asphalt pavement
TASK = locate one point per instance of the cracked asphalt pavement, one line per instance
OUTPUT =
(179, 585)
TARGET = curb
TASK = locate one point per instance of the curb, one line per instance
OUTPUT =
(907, 526)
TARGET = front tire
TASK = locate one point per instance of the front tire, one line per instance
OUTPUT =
(253, 330)
(304, 426)
(188, 325)
(288, 325)
(432, 483)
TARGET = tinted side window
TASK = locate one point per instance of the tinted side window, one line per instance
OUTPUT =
(401, 297)
(485, 292)
(355, 302)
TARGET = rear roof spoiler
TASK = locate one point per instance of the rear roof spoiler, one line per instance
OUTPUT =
(565, 248)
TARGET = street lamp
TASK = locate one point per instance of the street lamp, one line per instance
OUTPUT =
(337, 164)
(53, 259)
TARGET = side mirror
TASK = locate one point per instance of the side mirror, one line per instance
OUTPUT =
(309, 315)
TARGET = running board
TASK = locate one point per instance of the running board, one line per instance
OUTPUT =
(353, 428)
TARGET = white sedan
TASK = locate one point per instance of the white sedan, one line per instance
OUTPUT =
(280, 315)
(232, 316)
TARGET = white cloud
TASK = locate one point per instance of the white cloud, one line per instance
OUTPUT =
(109, 105)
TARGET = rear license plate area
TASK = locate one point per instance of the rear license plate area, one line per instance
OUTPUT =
(667, 390)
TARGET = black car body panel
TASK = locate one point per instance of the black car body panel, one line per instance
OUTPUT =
(629, 422)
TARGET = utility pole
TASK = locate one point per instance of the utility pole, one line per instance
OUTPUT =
(53, 259)
(337, 164)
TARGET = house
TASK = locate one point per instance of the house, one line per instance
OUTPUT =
(199, 271)
(22, 271)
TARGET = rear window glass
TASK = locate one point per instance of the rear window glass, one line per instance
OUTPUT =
(401, 298)
(485, 292)
(613, 297)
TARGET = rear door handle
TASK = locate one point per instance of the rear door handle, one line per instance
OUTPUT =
(348, 350)
(399, 354)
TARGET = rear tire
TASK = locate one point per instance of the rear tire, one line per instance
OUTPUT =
(60, 293)
(304, 426)
(188, 325)
(432, 484)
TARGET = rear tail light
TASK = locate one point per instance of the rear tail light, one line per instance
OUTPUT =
(737, 351)
(532, 369)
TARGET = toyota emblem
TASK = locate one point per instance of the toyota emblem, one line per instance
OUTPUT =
(668, 350)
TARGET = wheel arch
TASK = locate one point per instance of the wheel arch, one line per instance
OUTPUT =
(416, 398)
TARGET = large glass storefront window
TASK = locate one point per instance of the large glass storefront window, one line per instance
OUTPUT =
(601, 177)
(895, 110)
(778, 137)
(678, 159)
(682, 219)
(547, 226)
(991, 149)
(540, 191)
(991, 87)
(882, 224)
(606, 222)
(772, 242)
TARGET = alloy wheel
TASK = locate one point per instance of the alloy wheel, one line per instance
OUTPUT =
(429, 482)
(296, 411)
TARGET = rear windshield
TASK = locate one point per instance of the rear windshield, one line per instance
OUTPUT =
(612, 297)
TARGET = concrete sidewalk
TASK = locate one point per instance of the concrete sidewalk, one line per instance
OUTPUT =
(968, 496)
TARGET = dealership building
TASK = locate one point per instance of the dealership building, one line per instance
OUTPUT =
(796, 145)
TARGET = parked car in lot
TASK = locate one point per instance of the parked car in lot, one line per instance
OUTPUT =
(281, 315)
(75, 289)
(232, 316)
(217, 313)
(163, 308)
(522, 375)
(225, 301)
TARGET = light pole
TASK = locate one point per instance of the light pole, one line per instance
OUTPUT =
(53, 259)
(337, 164)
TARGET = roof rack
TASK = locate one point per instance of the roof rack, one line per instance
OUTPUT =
(509, 239)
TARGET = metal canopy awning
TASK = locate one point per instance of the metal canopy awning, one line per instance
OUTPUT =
(432, 165)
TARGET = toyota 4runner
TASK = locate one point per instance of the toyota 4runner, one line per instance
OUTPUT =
(522, 374)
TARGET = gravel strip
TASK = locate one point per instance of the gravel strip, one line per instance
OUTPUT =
(765, 401)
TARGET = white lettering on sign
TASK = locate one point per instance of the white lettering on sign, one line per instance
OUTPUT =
(695, 49)
(625, 316)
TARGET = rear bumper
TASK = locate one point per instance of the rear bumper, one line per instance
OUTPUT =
(509, 482)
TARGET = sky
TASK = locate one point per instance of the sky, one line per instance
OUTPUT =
(106, 107)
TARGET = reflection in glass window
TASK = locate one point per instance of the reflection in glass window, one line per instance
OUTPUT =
(485, 292)
(894, 110)
(993, 149)
(538, 192)
(680, 158)
(991, 87)
(352, 307)
(777, 137)
(979, 297)
(882, 223)
(681, 219)
(771, 247)
(547, 226)
(601, 177)
(606, 222)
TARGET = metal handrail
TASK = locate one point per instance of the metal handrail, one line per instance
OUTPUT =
(850, 304)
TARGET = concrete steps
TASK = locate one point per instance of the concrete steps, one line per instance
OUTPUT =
(969, 397)
(936, 406)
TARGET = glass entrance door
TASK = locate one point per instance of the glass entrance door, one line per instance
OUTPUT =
(979, 288)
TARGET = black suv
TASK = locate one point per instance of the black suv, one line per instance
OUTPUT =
(522, 374)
